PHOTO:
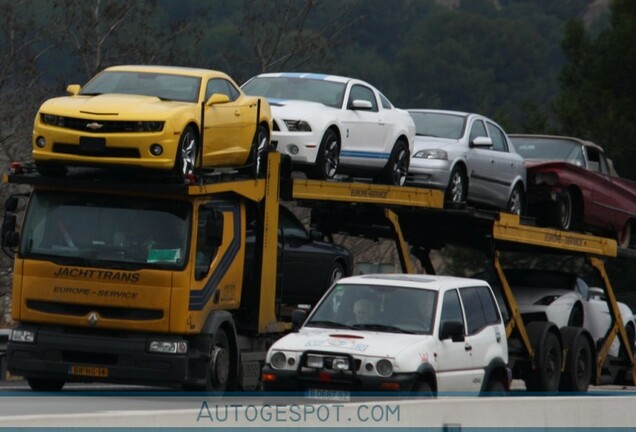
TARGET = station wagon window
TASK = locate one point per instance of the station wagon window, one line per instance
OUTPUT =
(363, 93)
(385, 102)
(222, 86)
(477, 130)
(498, 138)
(451, 308)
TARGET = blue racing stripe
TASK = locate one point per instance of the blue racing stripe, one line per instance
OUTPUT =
(361, 154)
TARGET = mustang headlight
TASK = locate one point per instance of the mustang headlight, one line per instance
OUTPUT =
(51, 119)
(431, 154)
(149, 126)
(297, 126)
(547, 300)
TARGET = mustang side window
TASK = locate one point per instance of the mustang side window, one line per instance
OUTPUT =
(359, 92)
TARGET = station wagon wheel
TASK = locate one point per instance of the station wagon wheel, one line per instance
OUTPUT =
(516, 201)
(457, 189)
(328, 157)
(398, 165)
(260, 147)
(218, 369)
(187, 152)
(565, 210)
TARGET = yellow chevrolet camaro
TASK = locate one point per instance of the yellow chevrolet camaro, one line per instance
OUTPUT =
(150, 117)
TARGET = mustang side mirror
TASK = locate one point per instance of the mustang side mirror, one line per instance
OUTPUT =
(359, 104)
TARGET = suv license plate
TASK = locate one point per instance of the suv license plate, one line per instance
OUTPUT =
(89, 371)
(331, 395)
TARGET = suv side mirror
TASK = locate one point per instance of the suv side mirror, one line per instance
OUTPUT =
(298, 318)
(453, 330)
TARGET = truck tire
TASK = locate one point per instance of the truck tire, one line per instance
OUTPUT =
(546, 375)
(217, 375)
(578, 371)
(47, 385)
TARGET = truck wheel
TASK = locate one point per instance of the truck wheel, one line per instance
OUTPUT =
(48, 385)
(578, 364)
(546, 375)
(218, 371)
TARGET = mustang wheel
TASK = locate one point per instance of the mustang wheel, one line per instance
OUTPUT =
(398, 165)
(328, 157)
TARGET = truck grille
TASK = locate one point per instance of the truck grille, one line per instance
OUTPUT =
(109, 312)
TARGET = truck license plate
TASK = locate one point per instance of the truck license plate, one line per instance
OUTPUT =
(89, 371)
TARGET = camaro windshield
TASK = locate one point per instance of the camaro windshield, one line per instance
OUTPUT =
(164, 86)
(91, 230)
(439, 125)
(325, 92)
(376, 308)
(551, 149)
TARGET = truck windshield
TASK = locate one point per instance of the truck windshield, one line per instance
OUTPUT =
(98, 230)
(376, 308)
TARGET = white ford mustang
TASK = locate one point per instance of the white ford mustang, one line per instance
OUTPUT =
(335, 125)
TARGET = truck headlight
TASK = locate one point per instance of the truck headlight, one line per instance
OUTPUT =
(24, 336)
(168, 347)
(384, 368)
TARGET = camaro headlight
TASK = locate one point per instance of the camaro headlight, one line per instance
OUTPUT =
(53, 120)
(297, 126)
(431, 154)
(278, 360)
(168, 347)
(384, 367)
(150, 126)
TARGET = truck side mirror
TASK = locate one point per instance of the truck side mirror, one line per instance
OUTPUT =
(11, 204)
(9, 234)
(453, 330)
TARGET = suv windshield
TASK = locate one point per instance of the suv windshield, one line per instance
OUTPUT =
(376, 308)
(329, 93)
(93, 230)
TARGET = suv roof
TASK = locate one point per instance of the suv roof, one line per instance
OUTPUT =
(421, 281)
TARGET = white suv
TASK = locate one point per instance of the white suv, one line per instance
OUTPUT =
(416, 333)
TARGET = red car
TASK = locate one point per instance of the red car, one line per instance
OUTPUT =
(573, 186)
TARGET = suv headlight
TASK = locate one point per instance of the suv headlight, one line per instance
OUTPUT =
(431, 154)
(384, 368)
(278, 360)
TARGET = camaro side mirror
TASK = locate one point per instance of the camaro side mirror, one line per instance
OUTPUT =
(73, 89)
(217, 98)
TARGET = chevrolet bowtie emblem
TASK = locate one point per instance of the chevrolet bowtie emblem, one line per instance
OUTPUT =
(94, 126)
(92, 319)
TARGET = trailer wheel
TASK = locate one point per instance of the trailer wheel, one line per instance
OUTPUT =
(48, 385)
(578, 362)
(546, 375)
(218, 370)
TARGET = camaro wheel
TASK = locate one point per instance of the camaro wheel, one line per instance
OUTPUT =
(457, 189)
(398, 165)
(187, 152)
(260, 146)
(328, 156)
